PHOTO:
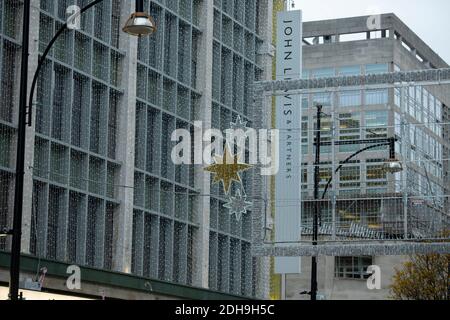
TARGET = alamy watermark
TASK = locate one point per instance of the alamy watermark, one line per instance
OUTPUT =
(254, 147)
(374, 281)
(74, 280)
(374, 22)
(73, 14)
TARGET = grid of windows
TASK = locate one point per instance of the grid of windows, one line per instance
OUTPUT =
(350, 98)
(9, 67)
(75, 167)
(376, 97)
(234, 70)
(422, 106)
(350, 176)
(165, 203)
(365, 115)
(165, 220)
(425, 140)
(349, 129)
(375, 175)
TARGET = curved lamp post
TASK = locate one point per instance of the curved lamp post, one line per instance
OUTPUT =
(391, 166)
(139, 24)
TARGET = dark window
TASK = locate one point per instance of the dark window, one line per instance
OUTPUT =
(352, 267)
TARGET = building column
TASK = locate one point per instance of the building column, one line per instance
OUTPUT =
(392, 33)
(202, 179)
(123, 217)
(265, 59)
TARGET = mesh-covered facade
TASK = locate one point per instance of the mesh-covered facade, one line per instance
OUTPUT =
(9, 68)
(100, 187)
(408, 205)
(236, 39)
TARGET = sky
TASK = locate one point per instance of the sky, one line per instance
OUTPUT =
(428, 19)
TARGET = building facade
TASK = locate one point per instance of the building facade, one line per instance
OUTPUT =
(364, 202)
(101, 190)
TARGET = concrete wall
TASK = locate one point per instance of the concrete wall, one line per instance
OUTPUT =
(342, 289)
(360, 24)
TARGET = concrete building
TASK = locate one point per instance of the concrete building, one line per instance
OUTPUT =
(100, 188)
(412, 204)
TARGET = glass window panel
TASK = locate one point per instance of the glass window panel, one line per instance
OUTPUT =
(323, 73)
(377, 68)
(305, 74)
(374, 97)
(376, 126)
(350, 177)
(350, 98)
(350, 71)
(352, 267)
(305, 102)
(377, 119)
(398, 124)
(322, 98)
(375, 170)
(398, 97)
(349, 129)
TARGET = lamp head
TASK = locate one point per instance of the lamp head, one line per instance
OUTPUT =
(140, 24)
(393, 166)
(5, 232)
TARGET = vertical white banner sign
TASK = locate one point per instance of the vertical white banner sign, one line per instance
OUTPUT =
(288, 121)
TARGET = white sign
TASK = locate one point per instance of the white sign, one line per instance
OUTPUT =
(288, 121)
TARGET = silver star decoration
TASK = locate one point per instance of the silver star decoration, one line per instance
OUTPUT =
(239, 124)
(238, 205)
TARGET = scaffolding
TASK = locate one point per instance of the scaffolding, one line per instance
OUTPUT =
(366, 211)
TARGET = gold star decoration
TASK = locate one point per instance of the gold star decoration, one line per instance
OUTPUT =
(226, 169)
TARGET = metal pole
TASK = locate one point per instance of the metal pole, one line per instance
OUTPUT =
(317, 205)
(20, 163)
(334, 173)
(406, 145)
(392, 148)
(139, 5)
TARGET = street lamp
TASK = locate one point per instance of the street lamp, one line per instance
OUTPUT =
(391, 166)
(139, 24)
(5, 232)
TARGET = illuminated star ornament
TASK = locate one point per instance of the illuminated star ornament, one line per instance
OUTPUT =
(239, 124)
(226, 169)
(238, 205)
